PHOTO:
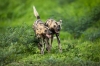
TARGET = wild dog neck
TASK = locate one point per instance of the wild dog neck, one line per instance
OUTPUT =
(53, 31)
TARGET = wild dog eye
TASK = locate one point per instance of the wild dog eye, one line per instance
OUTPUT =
(54, 25)
(45, 30)
(58, 25)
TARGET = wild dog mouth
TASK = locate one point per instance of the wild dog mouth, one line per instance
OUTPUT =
(49, 36)
(57, 31)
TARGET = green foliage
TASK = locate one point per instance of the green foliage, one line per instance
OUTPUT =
(19, 41)
(83, 23)
(91, 34)
(15, 41)
(81, 20)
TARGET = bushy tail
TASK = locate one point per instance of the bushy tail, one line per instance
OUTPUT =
(36, 13)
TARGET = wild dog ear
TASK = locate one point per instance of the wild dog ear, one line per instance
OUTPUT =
(45, 24)
(60, 22)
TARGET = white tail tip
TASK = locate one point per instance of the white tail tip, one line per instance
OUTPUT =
(35, 11)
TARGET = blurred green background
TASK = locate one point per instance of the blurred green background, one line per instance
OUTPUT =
(80, 34)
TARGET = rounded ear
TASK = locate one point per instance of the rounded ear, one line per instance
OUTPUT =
(45, 24)
(60, 22)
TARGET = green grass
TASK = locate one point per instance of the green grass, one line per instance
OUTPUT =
(20, 48)
(80, 34)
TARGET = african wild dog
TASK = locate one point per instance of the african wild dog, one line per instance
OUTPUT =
(55, 28)
(42, 32)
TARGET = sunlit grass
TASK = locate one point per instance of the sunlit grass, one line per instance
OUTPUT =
(18, 47)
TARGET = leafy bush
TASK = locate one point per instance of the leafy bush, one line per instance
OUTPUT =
(80, 20)
(83, 23)
(92, 34)
(15, 41)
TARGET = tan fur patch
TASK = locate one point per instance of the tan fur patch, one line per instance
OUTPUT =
(51, 23)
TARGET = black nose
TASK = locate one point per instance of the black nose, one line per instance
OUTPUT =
(50, 32)
(58, 29)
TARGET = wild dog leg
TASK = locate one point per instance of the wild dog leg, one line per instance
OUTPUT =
(47, 44)
(44, 43)
(41, 47)
(59, 45)
(51, 40)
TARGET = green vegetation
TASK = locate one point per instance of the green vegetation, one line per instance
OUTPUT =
(80, 35)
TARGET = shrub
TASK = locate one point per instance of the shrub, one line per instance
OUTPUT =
(77, 27)
(15, 41)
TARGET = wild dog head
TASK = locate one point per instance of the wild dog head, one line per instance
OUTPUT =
(43, 30)
(54, 25)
